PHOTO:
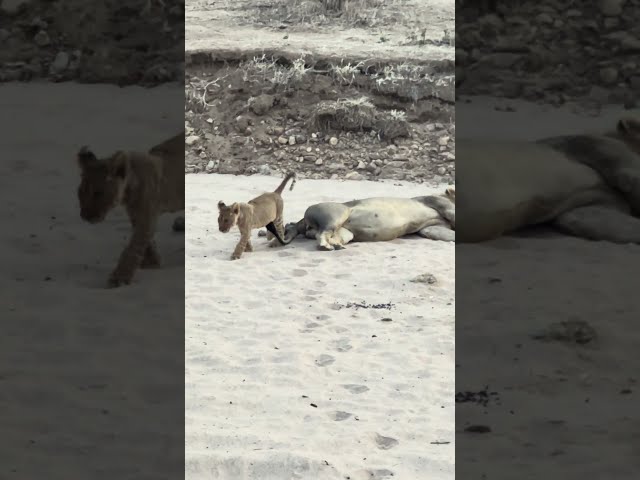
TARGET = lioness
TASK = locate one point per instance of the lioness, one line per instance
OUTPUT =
(146, 184)
(377, 219)
(264, 210)
(586, 185)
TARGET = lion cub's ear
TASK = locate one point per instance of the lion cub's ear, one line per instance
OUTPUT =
(235, 208)
(86, 157)
(221, 205)
(629, 126)
(119, 165)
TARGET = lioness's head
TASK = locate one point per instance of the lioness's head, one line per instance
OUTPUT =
(450, 193)
(102, 183)
(628, 130)
(227, 216)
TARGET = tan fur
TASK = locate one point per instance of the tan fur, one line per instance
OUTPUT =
(258, 212)
(146, 184)
(514, 184)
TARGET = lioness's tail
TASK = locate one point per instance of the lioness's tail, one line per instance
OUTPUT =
(289, 176)
(272, 228)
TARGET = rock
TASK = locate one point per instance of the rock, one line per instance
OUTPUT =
(42, 38)
(443, 141)
(60, 63)
(333, 141)
(278, 130)
(441, 170)
(191, 139)
(210, 165)
(361, 165)
(425, 278)
(611, 8)
(570, 331)
(608, 75)
(319, 162)
(292, 140)
(283, 140)
(354, 176)
(262, 104)
(12, 6)
(242, 123)
(264, 170)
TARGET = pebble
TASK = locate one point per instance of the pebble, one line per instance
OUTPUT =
(191, 139)
(283, 140)
(42, 38)
(333, 141)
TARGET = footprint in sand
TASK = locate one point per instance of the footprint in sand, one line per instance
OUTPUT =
(299, 273)
(355, 389)
(339, 416)
(284, 254)
(324, 360)
(385, 443)
(342, 345)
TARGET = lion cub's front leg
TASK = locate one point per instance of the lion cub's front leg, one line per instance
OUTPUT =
(151, 257)
(244, 245)
(143, 222)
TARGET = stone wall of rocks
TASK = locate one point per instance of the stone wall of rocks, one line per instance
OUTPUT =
(551, 51)
(126, 43)
(427, 156)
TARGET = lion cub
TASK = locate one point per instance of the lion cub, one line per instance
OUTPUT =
(146, 184)
(263, 211)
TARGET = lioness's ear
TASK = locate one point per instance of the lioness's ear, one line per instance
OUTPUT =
(118, 165)
(221, 205)
(235, 208)
(86, 157)
(629, 126)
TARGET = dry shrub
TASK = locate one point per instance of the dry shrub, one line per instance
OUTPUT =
(358, 115)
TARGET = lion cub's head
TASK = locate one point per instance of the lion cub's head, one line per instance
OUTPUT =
(628, 130)
(227, 216)
(102, 183)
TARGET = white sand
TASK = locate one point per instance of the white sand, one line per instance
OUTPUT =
(265, 340)
(74, 332)
(568, 416)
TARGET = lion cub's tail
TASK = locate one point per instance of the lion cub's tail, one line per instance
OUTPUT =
(289, 176)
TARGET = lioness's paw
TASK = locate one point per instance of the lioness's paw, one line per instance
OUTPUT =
(235, 256)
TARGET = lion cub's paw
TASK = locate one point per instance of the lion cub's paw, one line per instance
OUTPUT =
(116, 281)
(235, 256)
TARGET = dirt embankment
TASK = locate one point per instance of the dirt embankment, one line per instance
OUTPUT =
(140, 43)
(269, 115)
(552, 51)
(361, 91)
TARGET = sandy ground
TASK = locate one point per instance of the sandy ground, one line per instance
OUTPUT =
(283, 379)
(226, 26)
(564, 409)
(75, 335)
